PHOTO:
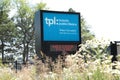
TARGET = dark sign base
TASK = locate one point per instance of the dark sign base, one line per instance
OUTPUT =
(63, 48)
(54, 55)
(55, 50)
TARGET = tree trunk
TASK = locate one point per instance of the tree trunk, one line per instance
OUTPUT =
(27, 51)
(24, 52)
(2, 48)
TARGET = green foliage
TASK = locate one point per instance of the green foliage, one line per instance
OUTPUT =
(7, 28)
(24, 23)
(71, 10)
(7, 76)
(6, 24)
(116, 77)
(1, 63)
(85, 32)
(41, 6)
(98, 75)
(94, 47)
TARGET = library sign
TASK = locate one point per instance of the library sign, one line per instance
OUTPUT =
(57, 31)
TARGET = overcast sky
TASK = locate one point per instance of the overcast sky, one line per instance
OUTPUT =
(103, 16)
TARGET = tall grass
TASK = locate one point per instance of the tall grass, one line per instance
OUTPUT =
(91, 62)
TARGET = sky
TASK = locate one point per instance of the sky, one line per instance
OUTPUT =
(102, 16)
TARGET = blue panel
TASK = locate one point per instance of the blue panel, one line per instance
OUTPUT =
(61, 27)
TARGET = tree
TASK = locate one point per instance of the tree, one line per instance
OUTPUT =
(85, 32)
(40, 6)
(6, 25)
(24, 24)
(71, 10)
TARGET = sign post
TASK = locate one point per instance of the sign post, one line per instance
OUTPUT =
(57, 32)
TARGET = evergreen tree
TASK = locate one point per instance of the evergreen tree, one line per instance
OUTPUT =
(6, 25)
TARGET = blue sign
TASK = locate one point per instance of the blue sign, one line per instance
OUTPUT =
(61, 26)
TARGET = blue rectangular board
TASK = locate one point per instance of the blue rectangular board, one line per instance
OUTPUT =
(61, 26)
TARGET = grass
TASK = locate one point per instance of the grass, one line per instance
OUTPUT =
(80, 66)
(72, 70)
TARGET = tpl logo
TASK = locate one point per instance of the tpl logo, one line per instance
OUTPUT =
(50, 21)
